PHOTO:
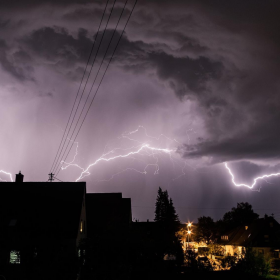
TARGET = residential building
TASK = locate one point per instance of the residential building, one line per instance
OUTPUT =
(263, 236)
(42, 225)
(34, 214)
(107, 212)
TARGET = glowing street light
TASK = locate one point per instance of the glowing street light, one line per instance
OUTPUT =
(189, 224)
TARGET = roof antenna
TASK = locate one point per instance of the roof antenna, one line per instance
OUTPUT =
(51, 177)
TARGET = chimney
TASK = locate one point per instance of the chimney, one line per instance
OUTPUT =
(19, 177)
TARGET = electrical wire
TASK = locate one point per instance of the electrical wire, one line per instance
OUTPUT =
(95, 38)
(96, 53)
(102, 77)
(69, 129)
(100, 66)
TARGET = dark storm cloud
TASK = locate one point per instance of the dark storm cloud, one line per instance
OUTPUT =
(15, 68)
(55, 43)
(33, 3)
(189, 74)
(235, 149)
(261, 140)
(96, 12)
(238, 94)
(258, 18)
(222, 55)
(4, 23)
(186, 75)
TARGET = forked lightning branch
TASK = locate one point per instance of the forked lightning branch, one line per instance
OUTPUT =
(150, 152)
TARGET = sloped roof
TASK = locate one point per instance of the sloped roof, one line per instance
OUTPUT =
(41, 209)
(261, 233)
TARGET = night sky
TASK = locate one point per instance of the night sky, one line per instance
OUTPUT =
(200, 78)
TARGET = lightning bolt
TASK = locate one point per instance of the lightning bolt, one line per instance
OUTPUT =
(76, 154)
(136, 152)
(6, 173)
(255, 180)
(85, 172)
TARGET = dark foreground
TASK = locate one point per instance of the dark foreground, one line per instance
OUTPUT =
(217, 275)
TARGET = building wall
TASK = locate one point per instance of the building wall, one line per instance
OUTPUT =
(231, 250)
(82, 229)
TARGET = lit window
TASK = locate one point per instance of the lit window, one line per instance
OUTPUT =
(14, 257)
(81, 226)
(246, 227)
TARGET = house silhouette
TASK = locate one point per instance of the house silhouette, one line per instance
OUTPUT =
(43, 223)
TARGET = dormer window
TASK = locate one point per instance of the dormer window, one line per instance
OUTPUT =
(224, 237)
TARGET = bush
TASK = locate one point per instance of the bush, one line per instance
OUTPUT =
(196, 263)
(253, 264)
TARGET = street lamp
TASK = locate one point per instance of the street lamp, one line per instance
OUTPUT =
(188, 232)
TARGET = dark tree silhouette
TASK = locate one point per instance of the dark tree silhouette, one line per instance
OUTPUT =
(243, 214)
(168, 225)
(206, 230)
(165, 212)
(161, 206)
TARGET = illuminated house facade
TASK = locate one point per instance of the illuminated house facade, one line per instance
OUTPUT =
(262, 236)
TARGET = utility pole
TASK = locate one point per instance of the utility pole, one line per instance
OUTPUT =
(51, 177)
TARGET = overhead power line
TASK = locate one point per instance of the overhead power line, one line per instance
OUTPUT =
(96, 53)
(96, 91)
(97, 74)
(56, 156)
(56, 161)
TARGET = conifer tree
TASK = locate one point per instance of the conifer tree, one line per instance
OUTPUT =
(168, 225)
(165, 212)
